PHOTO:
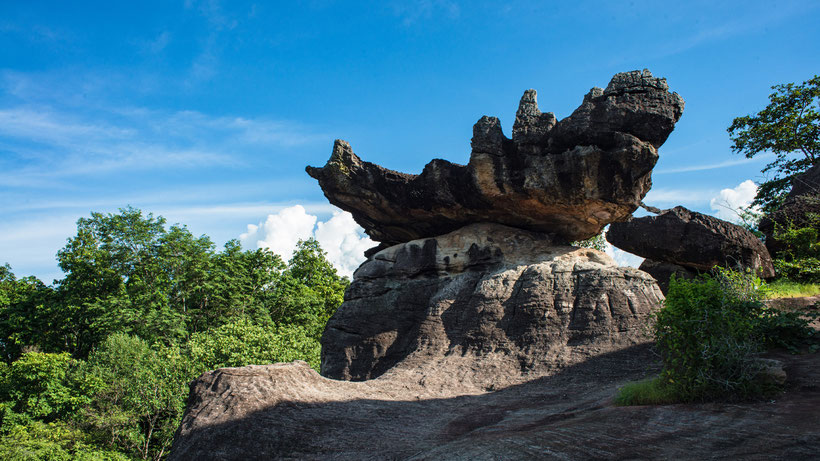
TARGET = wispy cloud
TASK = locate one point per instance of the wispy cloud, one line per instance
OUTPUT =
(412, 12)
(665, 197)
(714, 166)
(48, 143)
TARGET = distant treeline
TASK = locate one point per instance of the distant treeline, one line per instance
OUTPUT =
(97, 365)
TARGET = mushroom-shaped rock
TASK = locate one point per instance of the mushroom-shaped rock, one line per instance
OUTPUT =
(568, 179)
(692, 240)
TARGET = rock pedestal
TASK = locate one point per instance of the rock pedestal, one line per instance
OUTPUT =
(483, 300)
(473, 289)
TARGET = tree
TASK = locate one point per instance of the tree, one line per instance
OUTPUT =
(26, 312)
(142, 402)
(789, 127)
(309, 291)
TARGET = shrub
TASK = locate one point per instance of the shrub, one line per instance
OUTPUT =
(707, 336)
(647, 392)
(241, 342)
(800, 260)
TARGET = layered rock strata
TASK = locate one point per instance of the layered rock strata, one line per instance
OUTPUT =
(568, 178)
(692, 240)
(487, 305)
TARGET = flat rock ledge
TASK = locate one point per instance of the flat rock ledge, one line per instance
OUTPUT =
(568, 178)
(693, 240)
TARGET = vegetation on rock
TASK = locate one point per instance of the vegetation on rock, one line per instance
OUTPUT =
(710, 333)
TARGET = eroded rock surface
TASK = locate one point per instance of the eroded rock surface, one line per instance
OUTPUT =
(568, 178)
(693, 240)
(487, 305)
(287, 411)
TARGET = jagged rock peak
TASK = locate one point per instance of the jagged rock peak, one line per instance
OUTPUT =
(531, 125)
(569, 178)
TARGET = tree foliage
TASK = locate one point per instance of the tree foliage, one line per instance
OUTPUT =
(789, 127)
(97, 366)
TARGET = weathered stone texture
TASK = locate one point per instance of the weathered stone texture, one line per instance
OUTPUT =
(691, 239)
(663, 272)
(569, 178)
(496, 297)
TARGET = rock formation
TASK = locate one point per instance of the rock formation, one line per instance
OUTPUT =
(288, 411)
(801, 208)
(692, 240)
(569, 178)
(473, 289)
(497, 303)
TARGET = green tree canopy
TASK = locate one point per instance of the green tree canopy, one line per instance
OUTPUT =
(789, 127)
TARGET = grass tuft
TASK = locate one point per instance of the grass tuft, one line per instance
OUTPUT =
(787, 289)
(647, 392)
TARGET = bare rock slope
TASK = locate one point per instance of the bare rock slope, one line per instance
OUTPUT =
(568, 178)
(288, 411)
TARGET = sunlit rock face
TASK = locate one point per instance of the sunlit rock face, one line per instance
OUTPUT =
(491, 304)
(567, 178)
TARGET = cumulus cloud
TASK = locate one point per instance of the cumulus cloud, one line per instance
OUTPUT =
(727, 203)
(340, 236)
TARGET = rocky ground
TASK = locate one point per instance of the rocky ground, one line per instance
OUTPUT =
(568, 415)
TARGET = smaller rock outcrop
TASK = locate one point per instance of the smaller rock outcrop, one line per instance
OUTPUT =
(801, 208)
(568, 178)
(692, 240)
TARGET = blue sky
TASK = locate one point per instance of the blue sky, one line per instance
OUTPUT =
(206, 112)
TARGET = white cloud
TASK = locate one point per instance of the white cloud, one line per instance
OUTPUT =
(340, 236)
(727, 203)
(622, 257)
(344, 241)
(667, 197)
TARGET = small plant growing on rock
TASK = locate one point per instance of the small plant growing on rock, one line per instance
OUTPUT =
(709, 334)
(706, 336)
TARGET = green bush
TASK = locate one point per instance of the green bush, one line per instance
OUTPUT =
(708, 336)
(140, 407)
(242, 342)
(800, 260)
(55, 441)
(45, 386)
